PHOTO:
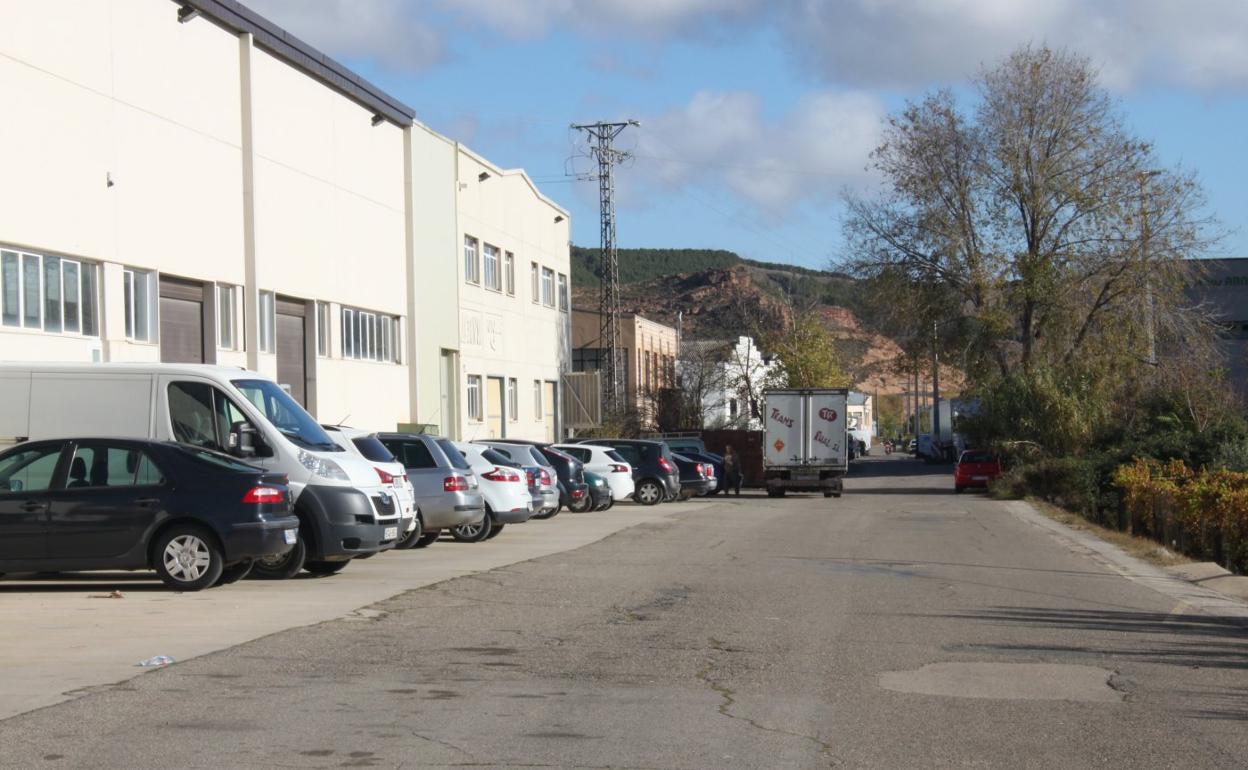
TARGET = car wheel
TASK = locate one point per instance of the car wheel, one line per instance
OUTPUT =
(281, 567)
(585, 504)
(187, 558)
(409, 539)
(427, 539)
(235, 572)
(827, 494)
(959, 489)
(549, 515)
(473, 533)
(326, 567)
(649, 493)
(775, 491)
(497, 528)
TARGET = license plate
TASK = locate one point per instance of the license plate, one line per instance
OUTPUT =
(979, 478)
(290, 536)
(391, 533)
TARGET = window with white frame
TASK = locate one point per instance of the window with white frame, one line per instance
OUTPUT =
(534, 277)
(548, 287)
(322, 329)
(474, 397)
(369, 336)
(513, 399)
(563, 292)
(493, 270)
(509, 272)
(140, 302)
(268, 323)
(227, 321)
(54, 294)
(538, 411)
(472, 266)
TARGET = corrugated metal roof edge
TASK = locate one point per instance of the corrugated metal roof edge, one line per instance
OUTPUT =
(290, 49)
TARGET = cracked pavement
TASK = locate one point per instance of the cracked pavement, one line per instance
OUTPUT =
(751, 634)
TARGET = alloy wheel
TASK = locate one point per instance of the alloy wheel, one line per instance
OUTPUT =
(187, 558)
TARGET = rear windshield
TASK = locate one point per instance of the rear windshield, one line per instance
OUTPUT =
(454, 455)
(498, 458)
(372, 449)
(976, 457)
(614, 455)
(537, 456)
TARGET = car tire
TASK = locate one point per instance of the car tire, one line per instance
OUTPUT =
(775, 492)
(959, 489)
(427, 539)
(326, 567)
(409, 539)
(187, 558)
(495, 530)
(649, 492)
(544, 516)
(827, 494)
(473, 533)
(586, 504)
(235, 572)
(281, 567)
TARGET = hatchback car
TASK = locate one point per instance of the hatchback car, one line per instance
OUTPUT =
(975, 468)
(606, 462)
(655, 475)
(197, 517)
(446, 488)
(506, 492)
(600, 496)
(390, 471)
(696, 478)
(543, 479)
(573, 492)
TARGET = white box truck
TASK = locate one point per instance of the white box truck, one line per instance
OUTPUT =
(805, 443)
(344, 510)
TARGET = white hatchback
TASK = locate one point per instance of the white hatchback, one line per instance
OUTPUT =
(606, 462)
(505, 488)
(390, 471)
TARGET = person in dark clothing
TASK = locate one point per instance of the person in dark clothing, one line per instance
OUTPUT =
(732, 471)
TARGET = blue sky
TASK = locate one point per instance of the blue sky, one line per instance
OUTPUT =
(757, 114)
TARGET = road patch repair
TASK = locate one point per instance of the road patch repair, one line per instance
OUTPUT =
(1007, 681)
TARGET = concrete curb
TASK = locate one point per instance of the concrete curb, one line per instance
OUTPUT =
(1199, 596)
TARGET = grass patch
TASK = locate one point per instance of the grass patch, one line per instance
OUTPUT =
(1140, 547)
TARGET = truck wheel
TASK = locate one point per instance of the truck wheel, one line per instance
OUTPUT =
(326, 567)
(649, 492)
(827, 494)
(282, 567)
(775, 491)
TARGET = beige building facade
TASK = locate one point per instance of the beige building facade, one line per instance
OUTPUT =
(649, 350)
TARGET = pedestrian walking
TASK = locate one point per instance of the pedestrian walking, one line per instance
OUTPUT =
(732, 471)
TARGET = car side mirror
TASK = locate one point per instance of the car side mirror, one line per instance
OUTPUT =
(243, 439)
(15, 485)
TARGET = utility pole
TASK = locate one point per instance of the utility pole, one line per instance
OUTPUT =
(1144, 177)
(935, 392)
(602, 136)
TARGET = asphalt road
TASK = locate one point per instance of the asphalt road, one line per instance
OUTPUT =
(900, 626)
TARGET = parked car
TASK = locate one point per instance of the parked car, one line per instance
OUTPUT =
(655, 475)
(600, 495)
(344, 511)
(506, 492)
(716, 463)
(198, 518)
(606, 462)
(684, 444)
(696, 478)
(913, 446)
(975, 468)
(389, 470)
(543, 481)
(573, 492)
(447, 491)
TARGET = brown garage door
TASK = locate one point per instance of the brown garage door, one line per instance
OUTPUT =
(181, 321)
(292, 346)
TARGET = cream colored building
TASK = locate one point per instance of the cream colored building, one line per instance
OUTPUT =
(649, 350)
(184, 181)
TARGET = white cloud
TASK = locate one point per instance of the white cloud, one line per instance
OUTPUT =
(725, 140)
(389, 32)
(651, 18)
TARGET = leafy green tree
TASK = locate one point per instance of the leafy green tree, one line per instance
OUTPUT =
(805, 355)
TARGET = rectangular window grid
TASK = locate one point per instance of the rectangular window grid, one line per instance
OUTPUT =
(472, 266)
(54, 294)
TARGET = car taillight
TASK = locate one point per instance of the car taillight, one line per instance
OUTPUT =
(577, 494)
(530, 476)
(666, 466)
(617, 468)
(264, 495)
(501, 474)
(386, 478)
(455, 484)
(545, 477)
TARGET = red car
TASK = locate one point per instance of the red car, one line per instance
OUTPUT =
(975, 468)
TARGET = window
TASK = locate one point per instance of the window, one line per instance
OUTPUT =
(472, 268)
(509, 272)
(563, 292)
(226, 317)
(268, 322)
(50, 293)
(203, 416)
(548, 287)
(413, 453)
(140, 299)
(538, 411)
(493, 273)
(368, 336)
(534, 271)
(474, 397)
(322, 329)
(513, 399)
(100, 465)
(29, 470)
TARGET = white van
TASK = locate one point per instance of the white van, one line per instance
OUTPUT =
(343, 509)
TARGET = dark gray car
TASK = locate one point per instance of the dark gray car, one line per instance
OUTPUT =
(446, 488)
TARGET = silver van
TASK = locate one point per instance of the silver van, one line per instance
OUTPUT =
(343, 509)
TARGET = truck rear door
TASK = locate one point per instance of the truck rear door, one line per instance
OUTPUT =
(783, 443)
(827, 429)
